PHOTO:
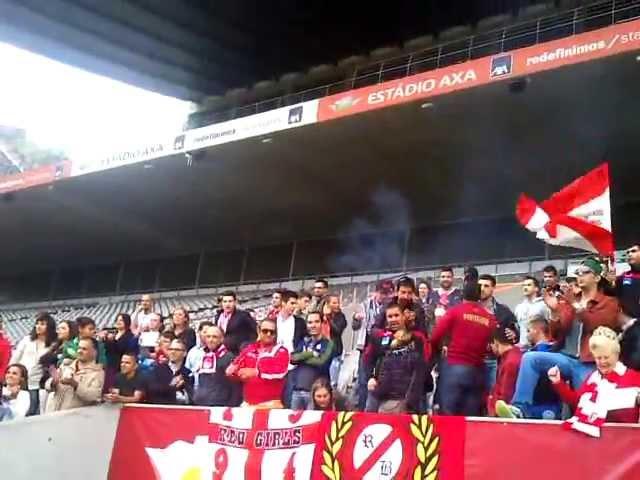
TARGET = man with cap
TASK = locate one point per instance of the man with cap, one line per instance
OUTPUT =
(362, 323)
(572, 321)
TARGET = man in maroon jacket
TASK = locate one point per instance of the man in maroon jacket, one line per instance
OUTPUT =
(510, 356)
(470, 327)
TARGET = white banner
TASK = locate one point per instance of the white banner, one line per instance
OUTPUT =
(246, 127)
(255, 125)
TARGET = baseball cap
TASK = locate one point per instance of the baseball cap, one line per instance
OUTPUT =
(592, 264)
(385, 286)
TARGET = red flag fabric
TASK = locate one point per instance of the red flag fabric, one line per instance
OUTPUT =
(577, 216)
(243, 443)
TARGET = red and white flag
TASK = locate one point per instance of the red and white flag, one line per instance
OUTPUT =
(577, 216)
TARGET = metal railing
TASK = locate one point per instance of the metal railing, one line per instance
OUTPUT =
(481, 44)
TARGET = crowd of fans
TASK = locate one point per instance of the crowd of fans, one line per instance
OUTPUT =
(569, 349)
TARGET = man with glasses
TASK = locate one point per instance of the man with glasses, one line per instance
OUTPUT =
(262, 368)
(171, 383)
(571, 322)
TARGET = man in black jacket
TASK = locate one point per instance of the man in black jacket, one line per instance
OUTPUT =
(504, 316)
(171, 383)
(237, 325)
(406, 296)
(214, 388)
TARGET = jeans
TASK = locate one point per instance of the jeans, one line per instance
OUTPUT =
(334, 371)
(34, 408)
(373, 404)
(491, 370)
(362, 385)
(535, 364)
(288, 389)
(461, 389)
(300, 400)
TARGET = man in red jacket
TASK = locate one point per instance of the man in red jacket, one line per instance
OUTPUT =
(470, 327)
(5, 352)
(262, 368)
(510, 356)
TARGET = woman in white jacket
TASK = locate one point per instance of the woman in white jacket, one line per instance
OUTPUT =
(29, 351)
(15, 401)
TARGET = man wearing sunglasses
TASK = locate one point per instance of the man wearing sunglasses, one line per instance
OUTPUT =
(572, 321)
(262, 368)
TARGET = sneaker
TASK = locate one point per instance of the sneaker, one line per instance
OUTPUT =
(504, 410)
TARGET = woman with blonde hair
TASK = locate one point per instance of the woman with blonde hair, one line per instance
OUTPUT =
(610, 394)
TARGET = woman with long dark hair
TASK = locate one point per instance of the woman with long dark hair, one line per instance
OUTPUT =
(118, 342)
(15, 399)
(181, 329)
(29, 351)
(66, 332)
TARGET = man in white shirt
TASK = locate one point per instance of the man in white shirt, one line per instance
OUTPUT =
(531, 306)
(141, 318)
(290, 330)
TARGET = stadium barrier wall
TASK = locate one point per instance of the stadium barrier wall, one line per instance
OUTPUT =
(148, 442)
(74, 444)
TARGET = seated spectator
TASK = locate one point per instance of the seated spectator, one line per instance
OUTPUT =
(546, 403)
(237, 325)
(333, 324)
(28, 353)
(171, 383)
(214, 388)
(129, 384)
(87, 330)
(322, 395)
(80, 383)
(181, 328)
(572, 322)
(504, 348)
(194, 356)
(462, 379)
(610, 394)
(398, 366)
(117, 341)
(312, 356)
(380, 343)
(262, 368)
(15, 399)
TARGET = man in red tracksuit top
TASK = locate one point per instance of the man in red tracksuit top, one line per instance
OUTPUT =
(509, 365)
(470, 328)
(262, 367)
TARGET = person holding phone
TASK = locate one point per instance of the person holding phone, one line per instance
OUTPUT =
(117, 341)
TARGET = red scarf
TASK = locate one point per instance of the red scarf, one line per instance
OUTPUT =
(601, 394)
(210, 359)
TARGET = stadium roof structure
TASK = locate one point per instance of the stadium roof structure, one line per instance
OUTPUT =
(458, 156)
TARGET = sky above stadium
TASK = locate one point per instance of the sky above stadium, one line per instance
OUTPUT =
(83, 114)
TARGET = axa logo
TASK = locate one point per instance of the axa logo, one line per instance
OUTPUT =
(501, 66)
(178, 142)
(344, 103)
(295, 115)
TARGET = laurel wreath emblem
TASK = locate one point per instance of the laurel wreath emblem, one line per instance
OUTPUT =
(426, 448)
(333, 441)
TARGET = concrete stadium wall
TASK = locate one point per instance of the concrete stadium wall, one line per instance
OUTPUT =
(77, 446)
